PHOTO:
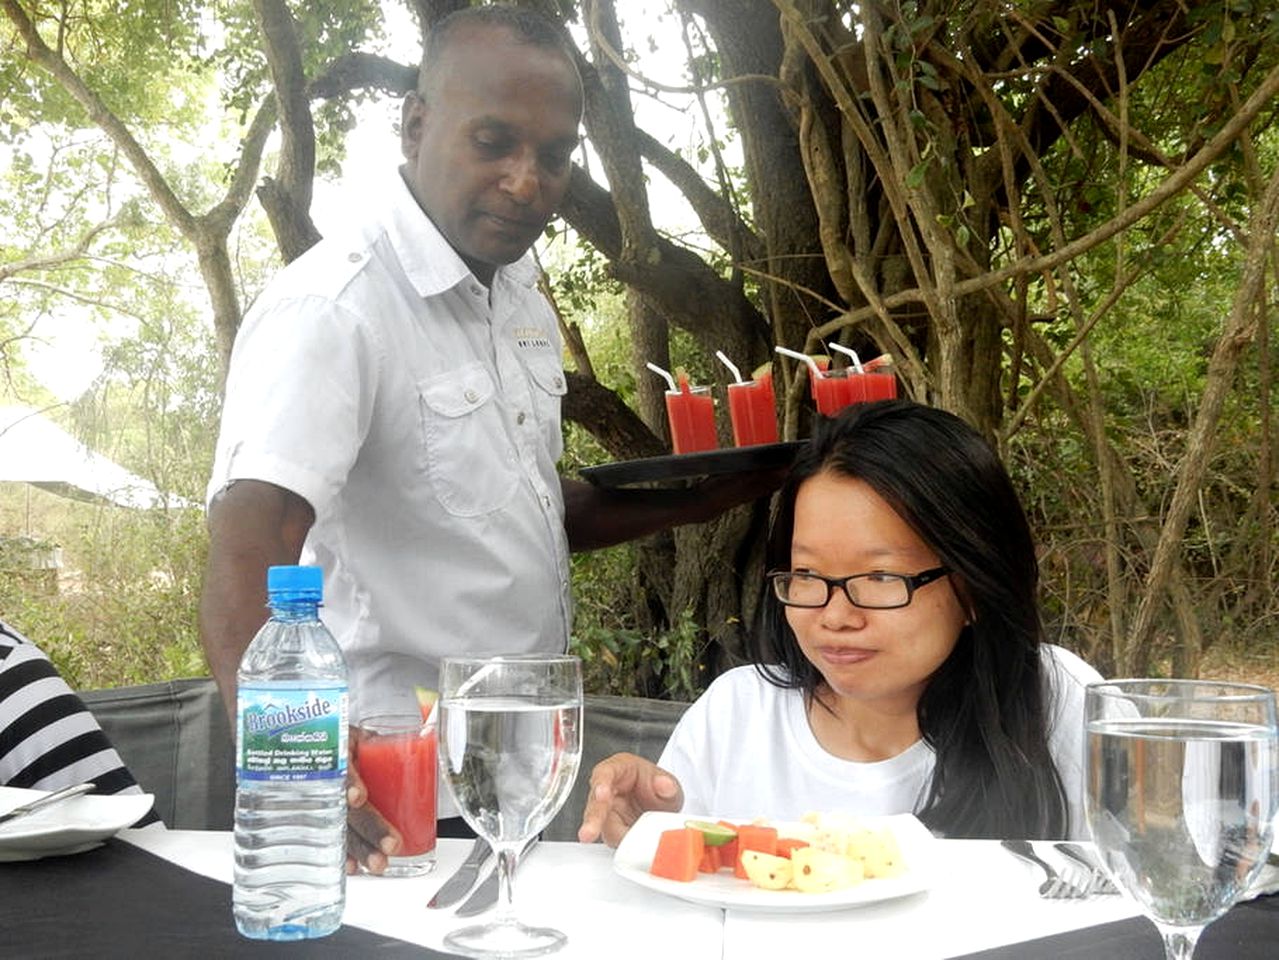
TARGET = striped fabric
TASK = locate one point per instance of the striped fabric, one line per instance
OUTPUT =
(48, 738)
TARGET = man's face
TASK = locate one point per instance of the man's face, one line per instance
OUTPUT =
(489, 154)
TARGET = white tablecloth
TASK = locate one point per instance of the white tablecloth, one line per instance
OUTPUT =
(980, 898)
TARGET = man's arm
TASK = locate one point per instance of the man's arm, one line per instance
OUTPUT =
(596, 517)
(252, 525)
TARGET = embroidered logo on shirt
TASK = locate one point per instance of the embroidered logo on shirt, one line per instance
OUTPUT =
(531, 338)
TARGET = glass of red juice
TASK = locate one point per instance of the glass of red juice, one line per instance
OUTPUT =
(832, 391)
(753, 411)
(880, 386)
(396, 756)
(691, 413)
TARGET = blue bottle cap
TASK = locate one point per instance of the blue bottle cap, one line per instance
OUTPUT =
(297, 581)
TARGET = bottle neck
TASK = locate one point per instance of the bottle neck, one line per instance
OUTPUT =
(294, 609)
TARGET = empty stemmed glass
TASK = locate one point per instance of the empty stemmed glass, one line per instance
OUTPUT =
(1182, 784)
(510, 745)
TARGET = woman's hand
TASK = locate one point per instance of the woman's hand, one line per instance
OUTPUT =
(622, 788)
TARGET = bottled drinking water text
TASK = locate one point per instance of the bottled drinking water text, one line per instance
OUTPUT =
(291, 757)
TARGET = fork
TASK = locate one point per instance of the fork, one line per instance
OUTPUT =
(1056, 886)
(1098, 880)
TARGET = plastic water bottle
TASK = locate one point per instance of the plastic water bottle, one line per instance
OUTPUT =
(291, 757)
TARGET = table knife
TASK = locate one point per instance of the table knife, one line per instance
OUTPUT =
(485, 894)
(458, 885)
(48, 800)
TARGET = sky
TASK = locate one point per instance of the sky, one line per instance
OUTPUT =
(66, 353)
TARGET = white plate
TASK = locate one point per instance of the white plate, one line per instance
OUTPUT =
(72, 826)
(634, 855)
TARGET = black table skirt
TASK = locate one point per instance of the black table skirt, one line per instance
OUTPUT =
(121, 901)
(1250, 931)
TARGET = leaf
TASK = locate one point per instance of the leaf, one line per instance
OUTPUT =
(915, 179)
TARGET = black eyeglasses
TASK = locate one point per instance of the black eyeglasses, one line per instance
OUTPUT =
(871, 591)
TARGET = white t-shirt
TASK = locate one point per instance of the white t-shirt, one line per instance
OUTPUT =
(418, 412)
(745, 749)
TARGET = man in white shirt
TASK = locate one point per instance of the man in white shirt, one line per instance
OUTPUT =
(392, 407)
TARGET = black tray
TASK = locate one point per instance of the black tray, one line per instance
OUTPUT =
(688, 466)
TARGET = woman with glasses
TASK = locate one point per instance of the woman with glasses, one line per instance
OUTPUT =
(899, 666)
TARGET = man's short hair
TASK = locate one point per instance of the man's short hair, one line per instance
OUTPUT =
(526, 26)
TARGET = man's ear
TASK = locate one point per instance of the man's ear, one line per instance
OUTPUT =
(412, 116)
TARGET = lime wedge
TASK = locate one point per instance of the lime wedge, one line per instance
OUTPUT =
(713, 834)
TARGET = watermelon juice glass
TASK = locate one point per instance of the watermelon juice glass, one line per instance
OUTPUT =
(880, 386)
(691, 413)
(835, 389)
(753, 411)
(396, 757)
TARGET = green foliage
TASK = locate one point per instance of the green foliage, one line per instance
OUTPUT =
(629, 662)
(122, 610)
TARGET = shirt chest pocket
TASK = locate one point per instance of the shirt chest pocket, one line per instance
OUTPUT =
(548, 389)
(469, 460)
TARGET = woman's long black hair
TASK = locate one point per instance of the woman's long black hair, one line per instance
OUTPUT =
(984, 712)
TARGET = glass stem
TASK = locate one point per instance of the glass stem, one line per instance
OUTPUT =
(507, 855)
(1179, 942)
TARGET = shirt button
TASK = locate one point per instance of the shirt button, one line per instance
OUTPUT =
(520, 418)
(471, 396)
(355, 257)
(546, 501)
(559, 382)
(477, 289)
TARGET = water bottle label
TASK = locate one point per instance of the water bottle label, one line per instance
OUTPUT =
(292, 734)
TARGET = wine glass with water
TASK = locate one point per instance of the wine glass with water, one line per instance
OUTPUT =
(510, 745)
(1182, 785)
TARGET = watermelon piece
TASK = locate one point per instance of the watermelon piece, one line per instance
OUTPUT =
(679, 854)
(426, 702)
(728, 851)
(754, 837)
(710, 860)
(787, 845)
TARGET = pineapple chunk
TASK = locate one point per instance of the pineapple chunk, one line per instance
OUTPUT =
(878, 853)
(821, 871)
(766, 871)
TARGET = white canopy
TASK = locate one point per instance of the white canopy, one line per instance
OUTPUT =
(37, 451)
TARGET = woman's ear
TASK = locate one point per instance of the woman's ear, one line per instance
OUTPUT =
(961, 593)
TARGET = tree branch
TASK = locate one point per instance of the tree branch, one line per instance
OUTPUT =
(50, 260)
(40, 53)
(714, 213)
(362, 71)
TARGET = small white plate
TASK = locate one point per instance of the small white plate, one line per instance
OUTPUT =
(72, 826)
(634, 855)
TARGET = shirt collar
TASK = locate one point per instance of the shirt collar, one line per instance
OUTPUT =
(429, 262)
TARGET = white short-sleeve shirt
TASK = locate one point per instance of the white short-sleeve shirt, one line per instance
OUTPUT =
(745, 749)
(418, 412)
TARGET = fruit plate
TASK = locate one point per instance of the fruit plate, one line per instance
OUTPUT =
(634, 855)
(690, 466)
(72, 826)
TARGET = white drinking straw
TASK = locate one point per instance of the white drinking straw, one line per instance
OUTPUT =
(737, 374)
(812, 364)
(857, 364)
(660, 372)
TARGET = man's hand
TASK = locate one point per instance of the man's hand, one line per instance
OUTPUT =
(622, 788)
(370, 839)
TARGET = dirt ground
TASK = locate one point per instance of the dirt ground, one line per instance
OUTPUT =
(1249, 666)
